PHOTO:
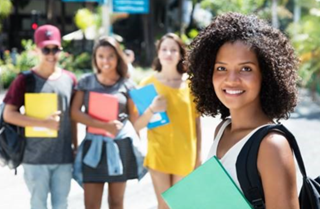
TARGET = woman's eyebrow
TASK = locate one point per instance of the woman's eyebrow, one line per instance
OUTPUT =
(247, 62)
(222, 63)
(241, 63)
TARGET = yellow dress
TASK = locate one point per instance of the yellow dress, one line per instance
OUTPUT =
(172, 147)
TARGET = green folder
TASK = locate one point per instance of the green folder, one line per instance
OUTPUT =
(208, 187)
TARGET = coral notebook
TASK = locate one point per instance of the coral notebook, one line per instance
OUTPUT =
(208, 187)
(40, 105)
(142, 98)
(103, 107)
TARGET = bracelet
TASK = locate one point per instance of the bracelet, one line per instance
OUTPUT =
(151, 110)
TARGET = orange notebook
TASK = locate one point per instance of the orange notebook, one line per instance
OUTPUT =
(103, 107)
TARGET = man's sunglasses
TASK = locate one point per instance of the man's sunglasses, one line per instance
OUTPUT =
(55, 50)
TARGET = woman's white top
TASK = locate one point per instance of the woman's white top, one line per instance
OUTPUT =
(230, 158)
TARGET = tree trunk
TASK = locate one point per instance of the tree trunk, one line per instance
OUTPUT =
(296, 11)
(181, 30)
(148, 35)
(191, 16)
(50, 8)
(274, 8)
(63, 19)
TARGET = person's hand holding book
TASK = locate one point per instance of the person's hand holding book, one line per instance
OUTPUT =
(159, 104)
(53, 121)
(113, 127)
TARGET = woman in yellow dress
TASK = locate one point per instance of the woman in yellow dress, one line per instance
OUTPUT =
(174, 149)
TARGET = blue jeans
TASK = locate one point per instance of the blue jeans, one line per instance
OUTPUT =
(42, 179)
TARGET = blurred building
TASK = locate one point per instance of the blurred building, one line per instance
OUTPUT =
(139, 31)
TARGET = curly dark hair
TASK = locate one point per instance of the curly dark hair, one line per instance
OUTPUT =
(181, 68)
(277, 60)
(104, 41)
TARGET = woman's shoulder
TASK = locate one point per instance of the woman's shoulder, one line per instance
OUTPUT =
(86, 77)
(276, 144)
(275, 154)
(147, 80)
(86, 80)
(129, 84)
(277, 169)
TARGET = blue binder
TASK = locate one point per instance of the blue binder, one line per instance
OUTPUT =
(142, 98)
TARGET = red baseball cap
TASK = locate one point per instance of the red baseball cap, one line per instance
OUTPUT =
(46, 35)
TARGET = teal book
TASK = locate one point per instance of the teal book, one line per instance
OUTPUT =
(142, 98)
(207, 187)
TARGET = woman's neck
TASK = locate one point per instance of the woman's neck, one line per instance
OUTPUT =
(108, 79)
(169, 74)
(249, 118)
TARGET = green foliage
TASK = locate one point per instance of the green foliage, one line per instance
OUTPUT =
(7, 72)
(24, 61)
(82, 61)
(191, 35)
(66, 61)
(28, 58)
(5, 9)
(98, 17)
(75, 62)
(84, 18)
(242, 6)
(305, 39)
(261, 8)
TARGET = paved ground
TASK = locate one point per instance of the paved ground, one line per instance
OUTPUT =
(304, 123)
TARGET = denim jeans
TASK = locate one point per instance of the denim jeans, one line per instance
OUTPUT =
(42, 179)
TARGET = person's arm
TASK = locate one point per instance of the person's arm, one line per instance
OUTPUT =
(159, 104)
(278, 174)
(199, 143)
(133, 115)
(77, 115)
(12, 115)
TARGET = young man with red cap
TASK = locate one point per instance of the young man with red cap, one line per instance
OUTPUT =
(47, 162)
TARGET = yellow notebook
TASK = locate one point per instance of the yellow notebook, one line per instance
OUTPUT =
(40, 105)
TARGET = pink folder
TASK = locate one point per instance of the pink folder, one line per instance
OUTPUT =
(103, 107)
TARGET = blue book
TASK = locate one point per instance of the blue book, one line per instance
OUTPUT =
(142, 98)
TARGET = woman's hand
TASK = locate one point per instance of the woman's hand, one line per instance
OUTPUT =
(159, 104)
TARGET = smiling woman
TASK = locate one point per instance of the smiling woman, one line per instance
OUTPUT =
(174, 149)
(246, 71)
(237, 76)
(119, 159)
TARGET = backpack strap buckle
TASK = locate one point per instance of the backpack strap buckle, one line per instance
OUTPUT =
(258, 204)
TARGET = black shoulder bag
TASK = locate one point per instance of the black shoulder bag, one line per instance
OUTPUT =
(12, 141)
(249, 178)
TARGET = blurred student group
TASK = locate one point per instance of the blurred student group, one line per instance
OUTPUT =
(114, 109)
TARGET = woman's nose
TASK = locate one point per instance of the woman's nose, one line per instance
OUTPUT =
(232, 76)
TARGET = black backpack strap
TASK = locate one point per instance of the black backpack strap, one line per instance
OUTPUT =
(30, 80)
(1, 116)
(246, 165)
